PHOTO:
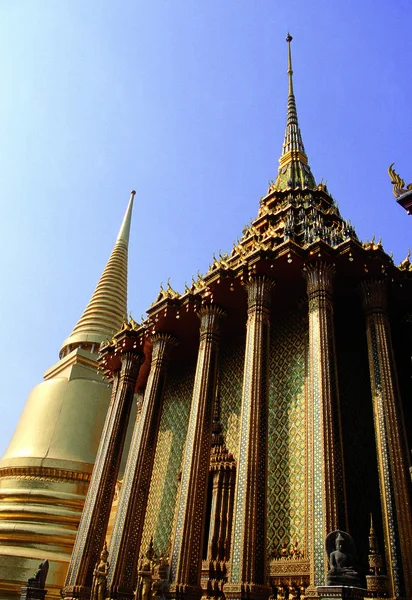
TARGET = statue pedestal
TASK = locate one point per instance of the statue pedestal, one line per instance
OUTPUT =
(341, 592)
(32, 593)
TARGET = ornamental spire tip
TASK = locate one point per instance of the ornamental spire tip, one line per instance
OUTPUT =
(289, 38)
(294, 171)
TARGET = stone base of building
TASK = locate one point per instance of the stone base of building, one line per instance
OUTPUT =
(246, 591)
(341, 592)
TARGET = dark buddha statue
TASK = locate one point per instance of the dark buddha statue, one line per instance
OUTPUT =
(342, 571)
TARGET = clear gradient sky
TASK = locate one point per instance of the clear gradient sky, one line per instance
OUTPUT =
(185, 101)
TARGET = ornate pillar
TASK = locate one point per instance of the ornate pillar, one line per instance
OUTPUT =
(390, 440)
(326, 502)
(92, 528)
(248, 555)
(128, 523)
(188, 541)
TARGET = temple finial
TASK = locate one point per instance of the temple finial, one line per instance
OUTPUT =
(289, 38)
(124, 231)
(294, 171)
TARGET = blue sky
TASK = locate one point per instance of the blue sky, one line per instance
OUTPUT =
(185, 101)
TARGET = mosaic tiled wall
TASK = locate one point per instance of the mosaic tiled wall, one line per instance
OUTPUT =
(231, 363)
(167, 464)
(286, 428)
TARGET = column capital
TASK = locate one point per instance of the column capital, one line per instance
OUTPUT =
(136, 357)
(162, 343)
(319, 277)
(259, 291)
(210, 316)
(130, 364)
(374, 293)
(114, 359)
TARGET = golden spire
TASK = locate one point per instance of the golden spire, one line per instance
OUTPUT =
(294, 171)
(289, 38)
(107, 309)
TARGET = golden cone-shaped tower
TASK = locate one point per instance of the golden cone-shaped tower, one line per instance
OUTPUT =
(45, 471)
(294, 171)
(107, 308)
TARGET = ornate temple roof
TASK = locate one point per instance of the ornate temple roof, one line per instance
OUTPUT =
(107, 308)
(294, 215)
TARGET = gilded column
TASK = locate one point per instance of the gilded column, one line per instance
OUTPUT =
(188, 541)
(326, 504)
(128, 524)
(390, 441)
(92, 528)
(248, 555)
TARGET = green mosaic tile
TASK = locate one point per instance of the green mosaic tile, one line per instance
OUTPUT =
(286, 429)
(168, 459)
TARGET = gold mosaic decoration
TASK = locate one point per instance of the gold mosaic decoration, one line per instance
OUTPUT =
(286, 429)
(231, 362)
(168, 459)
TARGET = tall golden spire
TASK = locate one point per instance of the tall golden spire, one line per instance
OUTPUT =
(107, 309)
(294, 171)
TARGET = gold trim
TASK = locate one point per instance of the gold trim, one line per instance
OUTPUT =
(46, 473)
(291, 156)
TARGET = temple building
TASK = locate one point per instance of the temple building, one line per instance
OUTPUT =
(268, 406)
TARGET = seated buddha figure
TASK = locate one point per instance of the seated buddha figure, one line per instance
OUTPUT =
(341, 571)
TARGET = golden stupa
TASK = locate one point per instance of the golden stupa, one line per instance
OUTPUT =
(45, 471)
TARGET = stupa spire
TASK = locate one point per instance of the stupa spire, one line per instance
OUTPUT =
(107, 308)
(294, 170)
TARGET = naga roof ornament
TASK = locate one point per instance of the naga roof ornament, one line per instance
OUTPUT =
(398, 183)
